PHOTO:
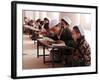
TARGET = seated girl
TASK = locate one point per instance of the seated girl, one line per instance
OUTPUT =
(82, 53)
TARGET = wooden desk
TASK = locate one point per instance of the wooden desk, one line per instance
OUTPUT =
(46, 44)
(31, 28)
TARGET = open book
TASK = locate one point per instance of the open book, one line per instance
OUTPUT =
(59, 43)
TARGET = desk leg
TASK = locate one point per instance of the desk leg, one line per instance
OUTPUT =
(44, 54)
(37, 49)
(52, 59)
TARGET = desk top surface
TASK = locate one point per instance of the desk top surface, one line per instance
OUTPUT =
(51, 43)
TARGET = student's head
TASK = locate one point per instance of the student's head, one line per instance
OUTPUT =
(25, 18)
(46, 20)
(38, 20)
(54, 23)
(32, 21)
(54, 26)
(77, 32)
(65, 22)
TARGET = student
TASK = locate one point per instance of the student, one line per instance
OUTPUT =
(66, 36)
(65, 33)
(54, 29)
(26, 20)
(31, 23)
(37, 23)
(46, 24)
(81, 56)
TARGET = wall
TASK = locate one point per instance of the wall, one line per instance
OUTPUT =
(40, 14)
(77, 19)
(85, 21)
(5, 40)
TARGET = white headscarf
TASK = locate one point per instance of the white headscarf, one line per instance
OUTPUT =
(67, 19)
(53, 22)
(81, 30)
